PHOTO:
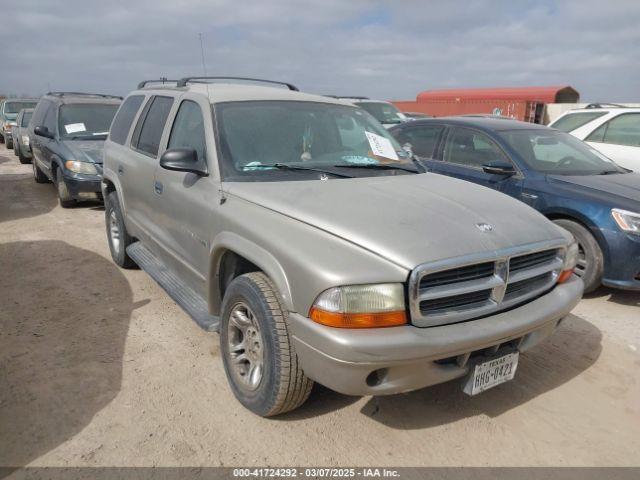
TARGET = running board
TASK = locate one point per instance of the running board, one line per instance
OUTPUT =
(185, 296)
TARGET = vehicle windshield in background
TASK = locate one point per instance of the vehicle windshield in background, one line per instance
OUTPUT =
(85, 120)
(383, 112)
(25, 119)
(570, 122)
(275, 140)
(15, 107)
(559, 153)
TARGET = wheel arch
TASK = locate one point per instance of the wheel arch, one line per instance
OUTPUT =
(231, 256)
(575, 216)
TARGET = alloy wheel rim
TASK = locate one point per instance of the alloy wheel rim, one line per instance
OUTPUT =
(114, 231)
(581, 264)
(244, 341)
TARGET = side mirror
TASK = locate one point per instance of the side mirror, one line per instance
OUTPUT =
(183, 160)
(499, 168)
(407, 147)
(43, 131)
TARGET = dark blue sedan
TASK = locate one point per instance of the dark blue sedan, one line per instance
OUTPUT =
(562, 177)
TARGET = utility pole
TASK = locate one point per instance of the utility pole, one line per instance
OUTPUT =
(204, 65)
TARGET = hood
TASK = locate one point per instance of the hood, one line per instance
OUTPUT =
(626, 185)
(86, 150)
(408, 219)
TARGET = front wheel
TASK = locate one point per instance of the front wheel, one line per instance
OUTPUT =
(66, 200)
(590, 259)
(38, 175)
(9, 143)
(261, 365)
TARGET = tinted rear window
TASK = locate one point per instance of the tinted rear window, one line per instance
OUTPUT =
(124, 119)
(570, 122)
(149, 139)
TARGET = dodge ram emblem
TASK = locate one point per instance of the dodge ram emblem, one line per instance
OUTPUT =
(484, 227)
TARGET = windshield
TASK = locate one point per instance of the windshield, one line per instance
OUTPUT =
(14, 107)
(85, 120)
(559, 153)
(26, 116)
(258, 138)
(383, 112)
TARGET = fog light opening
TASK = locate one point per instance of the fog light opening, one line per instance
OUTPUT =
(376, 377)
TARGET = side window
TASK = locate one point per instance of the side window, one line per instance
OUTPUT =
(423, 139)
(188, 128)
(472, 149)
(49, 120)
(38, 114)
(571, 121)
(150, 130)
(124, 118)
(621, 130)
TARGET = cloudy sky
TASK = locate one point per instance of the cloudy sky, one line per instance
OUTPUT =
(382, 49)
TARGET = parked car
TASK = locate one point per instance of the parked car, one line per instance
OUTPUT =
(298, 228)
(610, 129)
(384, 112)
(9, 109)
(565, 179)
(66, 135)
(20, 135)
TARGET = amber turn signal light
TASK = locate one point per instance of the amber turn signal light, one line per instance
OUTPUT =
(565, 275)
(358, 320)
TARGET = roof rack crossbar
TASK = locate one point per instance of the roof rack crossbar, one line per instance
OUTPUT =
(604, 105)
(83, 94)
(161, 80)
(183, 81)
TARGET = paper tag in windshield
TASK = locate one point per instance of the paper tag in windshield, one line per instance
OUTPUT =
(75, 127)
(381, 146)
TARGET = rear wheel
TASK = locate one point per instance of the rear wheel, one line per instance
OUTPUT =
(66, 200)
(590, 259)
(38, 176)
(119, 238)
(261, 365)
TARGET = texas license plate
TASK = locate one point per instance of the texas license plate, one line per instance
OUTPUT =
(490, 373)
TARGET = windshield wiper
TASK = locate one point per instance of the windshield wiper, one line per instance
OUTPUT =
(284, 166)
(608, 172)
(381, 166)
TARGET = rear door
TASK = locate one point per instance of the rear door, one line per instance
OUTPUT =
(36, 141)
(186, 202)
(619, 139)
(136, 170)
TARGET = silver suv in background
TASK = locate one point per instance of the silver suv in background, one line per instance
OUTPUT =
(296, 227)
(384, 112)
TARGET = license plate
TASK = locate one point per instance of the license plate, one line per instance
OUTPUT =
(490, 373)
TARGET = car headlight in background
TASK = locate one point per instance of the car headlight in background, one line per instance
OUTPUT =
(81, 167)
(25, 140)
(627, 221)
(570, 262)
(361, 306)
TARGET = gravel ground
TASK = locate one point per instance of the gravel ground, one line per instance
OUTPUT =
(98, 367)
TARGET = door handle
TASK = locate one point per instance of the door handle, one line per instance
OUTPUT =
(529, 195)
(158, 187)
(120, 170)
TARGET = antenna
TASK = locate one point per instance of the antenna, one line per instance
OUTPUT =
(204, 65)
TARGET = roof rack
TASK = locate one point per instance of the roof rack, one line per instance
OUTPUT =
(161, 80)
(355, 97)
(604, 105)
(183, 81)
(82, 94)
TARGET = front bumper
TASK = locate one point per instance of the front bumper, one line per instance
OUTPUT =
(622, 267)
(400, 359)
(84, 187)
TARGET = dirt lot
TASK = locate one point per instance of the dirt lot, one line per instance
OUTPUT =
(98, 367)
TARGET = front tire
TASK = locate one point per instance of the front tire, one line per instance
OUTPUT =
(590, 259)
(38, 175)
(66, 200)
(16, 149)
(117, 235)
(10, 143)
(261, 365)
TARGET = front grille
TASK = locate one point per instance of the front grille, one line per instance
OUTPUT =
(456, 275)
(465, 288)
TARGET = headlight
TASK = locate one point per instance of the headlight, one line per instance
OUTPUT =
(361, 306)
(570, 261)
(627, 221)
(25, 140)
(81, 167)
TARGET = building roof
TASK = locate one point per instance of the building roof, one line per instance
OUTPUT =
(553, 94)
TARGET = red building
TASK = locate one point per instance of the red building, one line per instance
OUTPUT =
(522, 103)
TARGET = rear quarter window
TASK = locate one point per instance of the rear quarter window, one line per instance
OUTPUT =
(124, 118)
(150, 126)
(570, 122)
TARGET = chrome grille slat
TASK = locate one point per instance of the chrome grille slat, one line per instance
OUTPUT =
(460, 289)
